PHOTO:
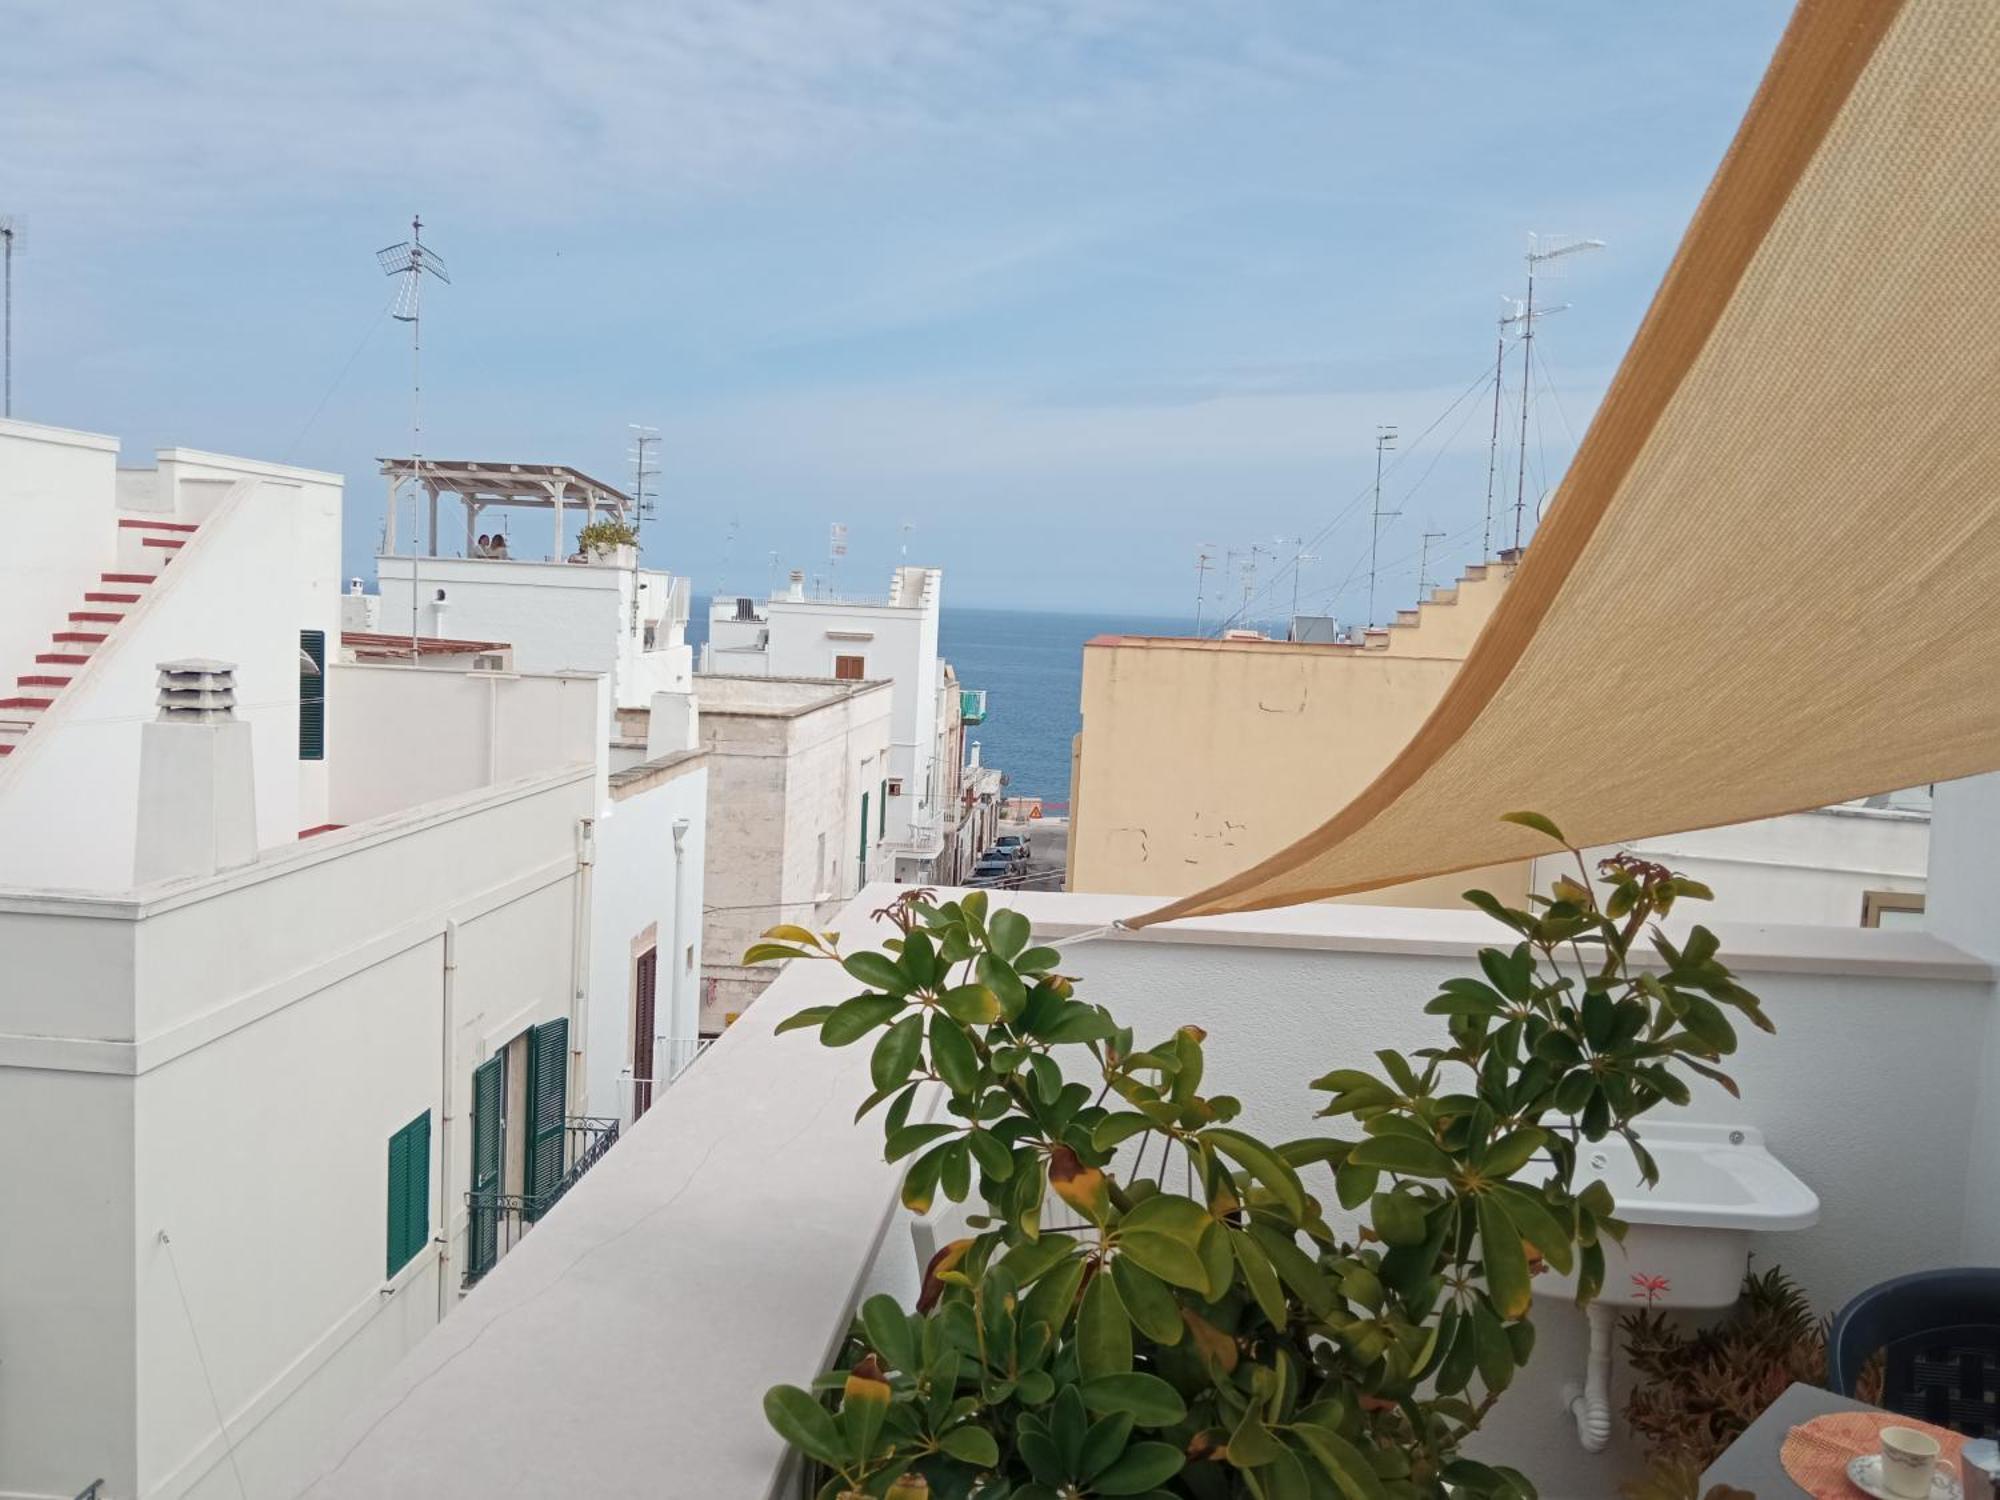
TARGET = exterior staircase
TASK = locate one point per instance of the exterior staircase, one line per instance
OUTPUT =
(145, 547)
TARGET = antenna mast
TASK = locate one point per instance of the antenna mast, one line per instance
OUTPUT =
(1300, 557)
(1385, 442)
(1424, 564)
(1204, 559)
(645, 467)
(411, 259)
(10, 231)
(1536, 255)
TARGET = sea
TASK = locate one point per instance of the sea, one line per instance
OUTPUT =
(1031, 665)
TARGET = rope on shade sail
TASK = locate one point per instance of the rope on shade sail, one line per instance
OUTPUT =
(1771, 578)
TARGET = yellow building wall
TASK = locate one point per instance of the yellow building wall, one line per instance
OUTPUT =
(1200, 757)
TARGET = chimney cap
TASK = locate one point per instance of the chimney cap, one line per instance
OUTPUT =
(197, 689)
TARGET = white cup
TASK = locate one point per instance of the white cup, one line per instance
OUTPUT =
(1908, 1459)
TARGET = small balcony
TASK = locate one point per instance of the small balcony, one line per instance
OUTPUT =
(972, 705)
(496, 1221)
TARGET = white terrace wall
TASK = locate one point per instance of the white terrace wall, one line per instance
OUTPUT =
(1962, 906)
(397, 737)
(57, 492)
(259, 571)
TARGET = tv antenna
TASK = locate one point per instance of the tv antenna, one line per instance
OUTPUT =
(908, 527)
(645, 467)
(1300, 557)
(10, 239)
(1204, 559)
(1515, 312)
(412, 260)
(1539, 251)
(1385, 442)
(1424, 564)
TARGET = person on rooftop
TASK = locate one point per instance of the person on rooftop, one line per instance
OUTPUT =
(483, 547)
(499, 548)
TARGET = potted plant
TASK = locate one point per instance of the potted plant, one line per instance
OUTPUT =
(609, 539)
(1198, 1328)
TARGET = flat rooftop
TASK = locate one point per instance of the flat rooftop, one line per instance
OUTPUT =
(775, 697)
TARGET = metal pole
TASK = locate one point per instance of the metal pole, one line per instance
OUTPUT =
(1527, 348)
(7, 234)
(416, 422)
(1493, 443)
(1384, 437)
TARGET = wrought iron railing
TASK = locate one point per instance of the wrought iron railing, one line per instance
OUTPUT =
(495, 1222)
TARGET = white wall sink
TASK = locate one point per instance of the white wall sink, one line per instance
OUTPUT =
(1687, 1238)
(1689, 1235)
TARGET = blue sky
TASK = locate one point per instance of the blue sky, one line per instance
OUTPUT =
(1069, 287)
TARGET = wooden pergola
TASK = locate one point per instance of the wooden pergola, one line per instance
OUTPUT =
(555, 488)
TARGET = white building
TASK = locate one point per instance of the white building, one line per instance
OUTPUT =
(300, 953)
(796, 774)
(896, 638)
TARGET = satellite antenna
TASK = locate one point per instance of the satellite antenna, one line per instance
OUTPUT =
(1385, 442)
(10, 237)
(1424, 564)
(644, 467)
(1539, 251)
(411, 259)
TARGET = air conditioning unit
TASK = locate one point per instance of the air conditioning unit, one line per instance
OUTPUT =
(489, 661)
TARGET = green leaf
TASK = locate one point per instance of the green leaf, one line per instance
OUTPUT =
(972, 1445)
(888, 1330)
(1252, 1444)
(1030, 1262)
(897, 1052)
(1536, 1222)
(1300, 1273)
(1491, 1351)
(1505, 1259)
(1119, 1127)
(1537, 822)
(1103, 1443)
(1036, 961)
(1512, 1152)
(1003, 981)
(995, 1160)
(1077, 1022)
(767, 953)
(952, 1054)
(1147, 1399)
(1144, 1467)
(1050, 1300)
(1103, 1332)
(1354, 1185)
(1007, 933)
(920, 1182)
(1260, 1276)
(879, 972)
(1398, 1218)
(853, 1019)
(1146, 1300)
(1262, 1163)
(1166, 1256)
(971, 1005)
(804, 1423)
(1402, 1154)
(812, 1015)
(1343, 1462)
(903, 1141)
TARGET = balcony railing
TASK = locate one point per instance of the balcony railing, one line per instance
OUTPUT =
(495, 1222)
(972, 705)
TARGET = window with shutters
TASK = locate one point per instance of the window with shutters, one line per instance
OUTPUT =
(882, 817)
(409, 1191)
(645, 985)
(864, 838)
(849, 668)
(548, 1091)
(312, 695)
(482, 1228)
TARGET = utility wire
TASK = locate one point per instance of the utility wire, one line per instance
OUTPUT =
(1282, 574)
(367, 336)
(228, 1445)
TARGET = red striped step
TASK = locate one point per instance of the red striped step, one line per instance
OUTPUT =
(34, 703)
(171, 543)
(96, 597)
(131, 525)
(6, 749)
(102, 616)
(60, 658)
(36, 680)
(93, 637)
(128, 577)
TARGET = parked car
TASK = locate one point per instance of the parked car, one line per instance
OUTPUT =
(1017, 854)
(996, 870)
(1012, 842)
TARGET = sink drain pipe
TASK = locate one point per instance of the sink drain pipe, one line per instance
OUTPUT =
(1590, 1403)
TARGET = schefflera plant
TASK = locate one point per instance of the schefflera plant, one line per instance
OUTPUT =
(1197, 1326)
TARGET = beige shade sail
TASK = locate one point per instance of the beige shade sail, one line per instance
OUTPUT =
(1770, 580)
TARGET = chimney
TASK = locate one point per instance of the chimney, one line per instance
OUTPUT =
(796, 590)
(197, 794)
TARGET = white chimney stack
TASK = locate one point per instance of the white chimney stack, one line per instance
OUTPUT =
(796, 590)
(197, 789)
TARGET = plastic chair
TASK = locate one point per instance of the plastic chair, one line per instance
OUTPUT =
(1939, 1335)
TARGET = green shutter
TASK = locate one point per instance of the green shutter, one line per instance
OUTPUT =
(864, 838)
(312, 696)
(882, 819)
(548, 1088)
(482, 1231)
(409, 1191)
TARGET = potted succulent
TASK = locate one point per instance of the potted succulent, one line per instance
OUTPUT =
(1154, 1302)
(609, 540)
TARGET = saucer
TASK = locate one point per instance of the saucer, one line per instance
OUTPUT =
(1865, 1473)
